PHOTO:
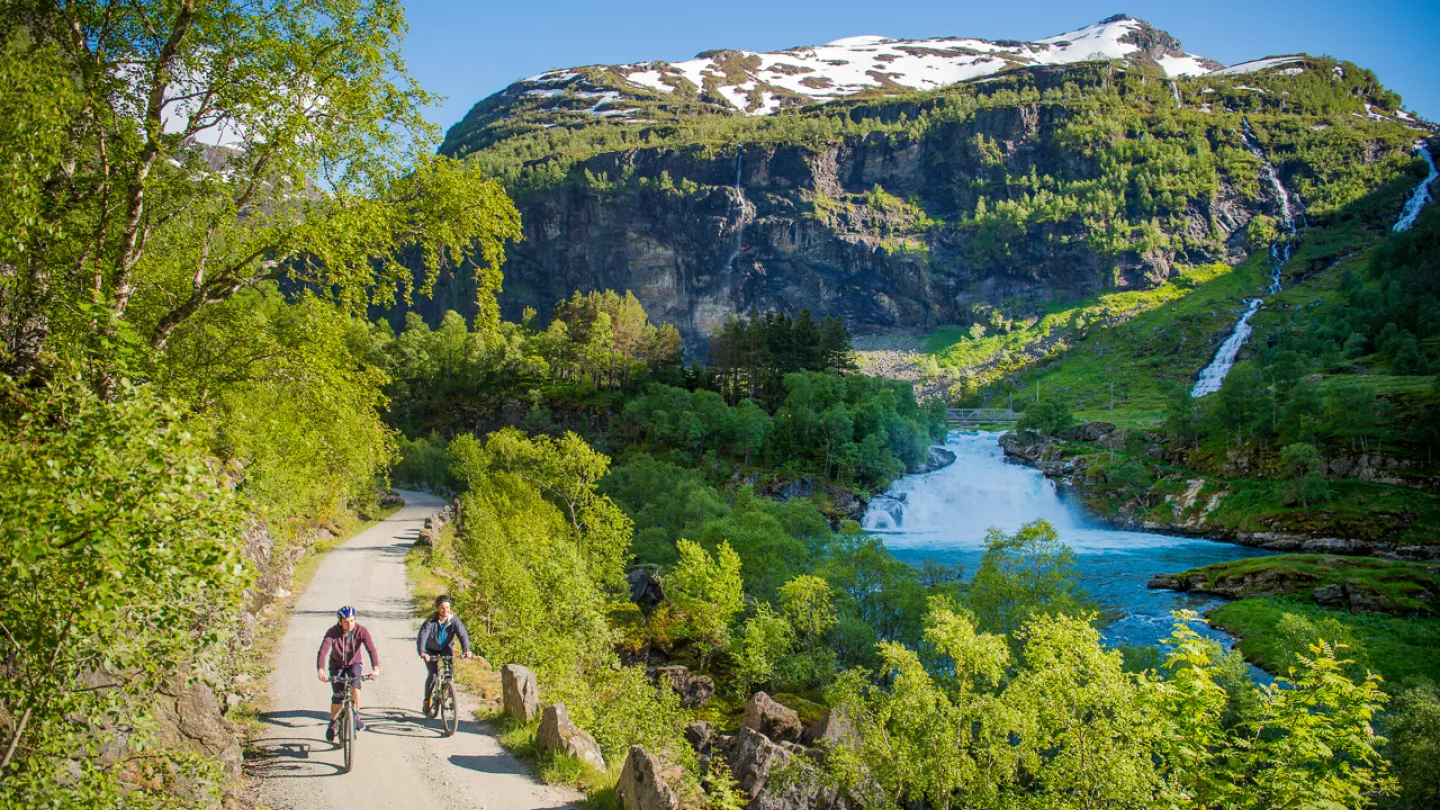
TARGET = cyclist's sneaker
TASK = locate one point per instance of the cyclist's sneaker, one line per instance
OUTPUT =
(359, 724)
(330, 731)
(426, 710)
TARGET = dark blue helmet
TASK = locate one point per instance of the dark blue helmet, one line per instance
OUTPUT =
(346, 612)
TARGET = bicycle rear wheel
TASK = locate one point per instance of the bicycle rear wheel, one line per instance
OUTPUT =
(347, 734)
(449, 709)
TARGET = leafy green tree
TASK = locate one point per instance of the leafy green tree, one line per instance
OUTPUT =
(324, 178)
(1302, 465)
(1413, 728)
(765, 640)
(708, 592)
(1048, 416)
(1022, 575)
(121, 574)
(1314, 740)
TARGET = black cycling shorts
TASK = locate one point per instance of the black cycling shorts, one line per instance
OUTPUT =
(337, 691)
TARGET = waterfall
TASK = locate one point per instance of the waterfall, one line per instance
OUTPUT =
(740, 203)
(969, 496)
(1419, 195)
(1175, 91)
(944, 516)
(1213, 375)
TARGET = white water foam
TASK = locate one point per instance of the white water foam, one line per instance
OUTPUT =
(1420, 195)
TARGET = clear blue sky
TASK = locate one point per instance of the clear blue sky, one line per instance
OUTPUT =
(466, 50)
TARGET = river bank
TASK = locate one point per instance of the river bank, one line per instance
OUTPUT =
(944, 516)
(1127, 480)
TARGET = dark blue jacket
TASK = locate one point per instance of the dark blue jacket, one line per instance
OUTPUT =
(436, 638)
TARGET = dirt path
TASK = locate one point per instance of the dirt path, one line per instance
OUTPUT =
(401, 759)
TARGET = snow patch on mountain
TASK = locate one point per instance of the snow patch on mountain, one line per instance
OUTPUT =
(852, 65)
(1258, 65)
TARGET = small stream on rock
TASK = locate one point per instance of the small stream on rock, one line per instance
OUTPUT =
(1213, 375)
(943, 516)
(1420, 195)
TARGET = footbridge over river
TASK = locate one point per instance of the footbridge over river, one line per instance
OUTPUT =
(969, 417)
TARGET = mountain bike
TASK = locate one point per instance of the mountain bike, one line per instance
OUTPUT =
(442, 694)
(345, 720)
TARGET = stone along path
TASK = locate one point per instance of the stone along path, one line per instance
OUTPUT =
(402, 759)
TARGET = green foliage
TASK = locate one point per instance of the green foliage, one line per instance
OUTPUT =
(1048, 416)
(1065, 726)
(151, 228)
(423, 462)
(764, 642)
(707, 592)
(1412, 726)
(121, 575)
(1302, 465)
(1023, 575)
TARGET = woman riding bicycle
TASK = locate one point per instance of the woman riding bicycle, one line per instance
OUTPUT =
(437, 637)
(342, 645)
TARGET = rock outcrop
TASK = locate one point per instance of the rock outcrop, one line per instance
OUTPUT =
(695, 691)
(559, 734)
(764, 715)
(521, 692)
(642, 785)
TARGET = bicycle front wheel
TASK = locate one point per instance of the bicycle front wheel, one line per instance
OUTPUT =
(347, 733)
(449, 709)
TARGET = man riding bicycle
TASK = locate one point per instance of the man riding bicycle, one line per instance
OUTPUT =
(437, 637)
(340, 654)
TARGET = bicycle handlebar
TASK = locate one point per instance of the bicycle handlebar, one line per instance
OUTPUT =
(350, 678)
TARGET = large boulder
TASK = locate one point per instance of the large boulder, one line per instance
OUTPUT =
(775, 721)
(645, 589)
(836, 728)
(557, 733)
(1088, 432)
(642, 786)
(752, 756)
(694, 690)
(521, 691)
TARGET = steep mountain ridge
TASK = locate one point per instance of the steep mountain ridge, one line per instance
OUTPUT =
(982, 202)
(756, 83)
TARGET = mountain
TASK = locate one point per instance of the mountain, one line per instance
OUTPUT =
(906, 185)
(730, 81)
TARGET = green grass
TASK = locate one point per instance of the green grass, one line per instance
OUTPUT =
(1395, 647)
(1356, 509)
(1146, 341)
(1400, 587)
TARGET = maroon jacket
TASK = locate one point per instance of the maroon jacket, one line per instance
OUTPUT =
(344, 648)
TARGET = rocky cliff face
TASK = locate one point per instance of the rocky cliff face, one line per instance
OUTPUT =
(1031, 183)
(781, 227)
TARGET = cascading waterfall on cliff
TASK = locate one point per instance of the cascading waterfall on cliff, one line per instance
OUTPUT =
(1213, 375)
(944, 516)
(1175, 91)
(740, 205)
(1420, 195)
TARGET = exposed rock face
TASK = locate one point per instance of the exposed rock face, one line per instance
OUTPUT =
(1265, 582)
(521, 690)
(835, 729)
(754, 759)
(752, 756)
(694, 690)
(1191, 510)
(557, 733)
(188, 718)
(641, 785)
(677, 250)
(1348, 595)
(775, 721)
(644, 589)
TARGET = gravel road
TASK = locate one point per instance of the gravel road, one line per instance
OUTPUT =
(402, 759)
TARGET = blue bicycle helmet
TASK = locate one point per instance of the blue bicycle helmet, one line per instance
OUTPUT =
(346, 612)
